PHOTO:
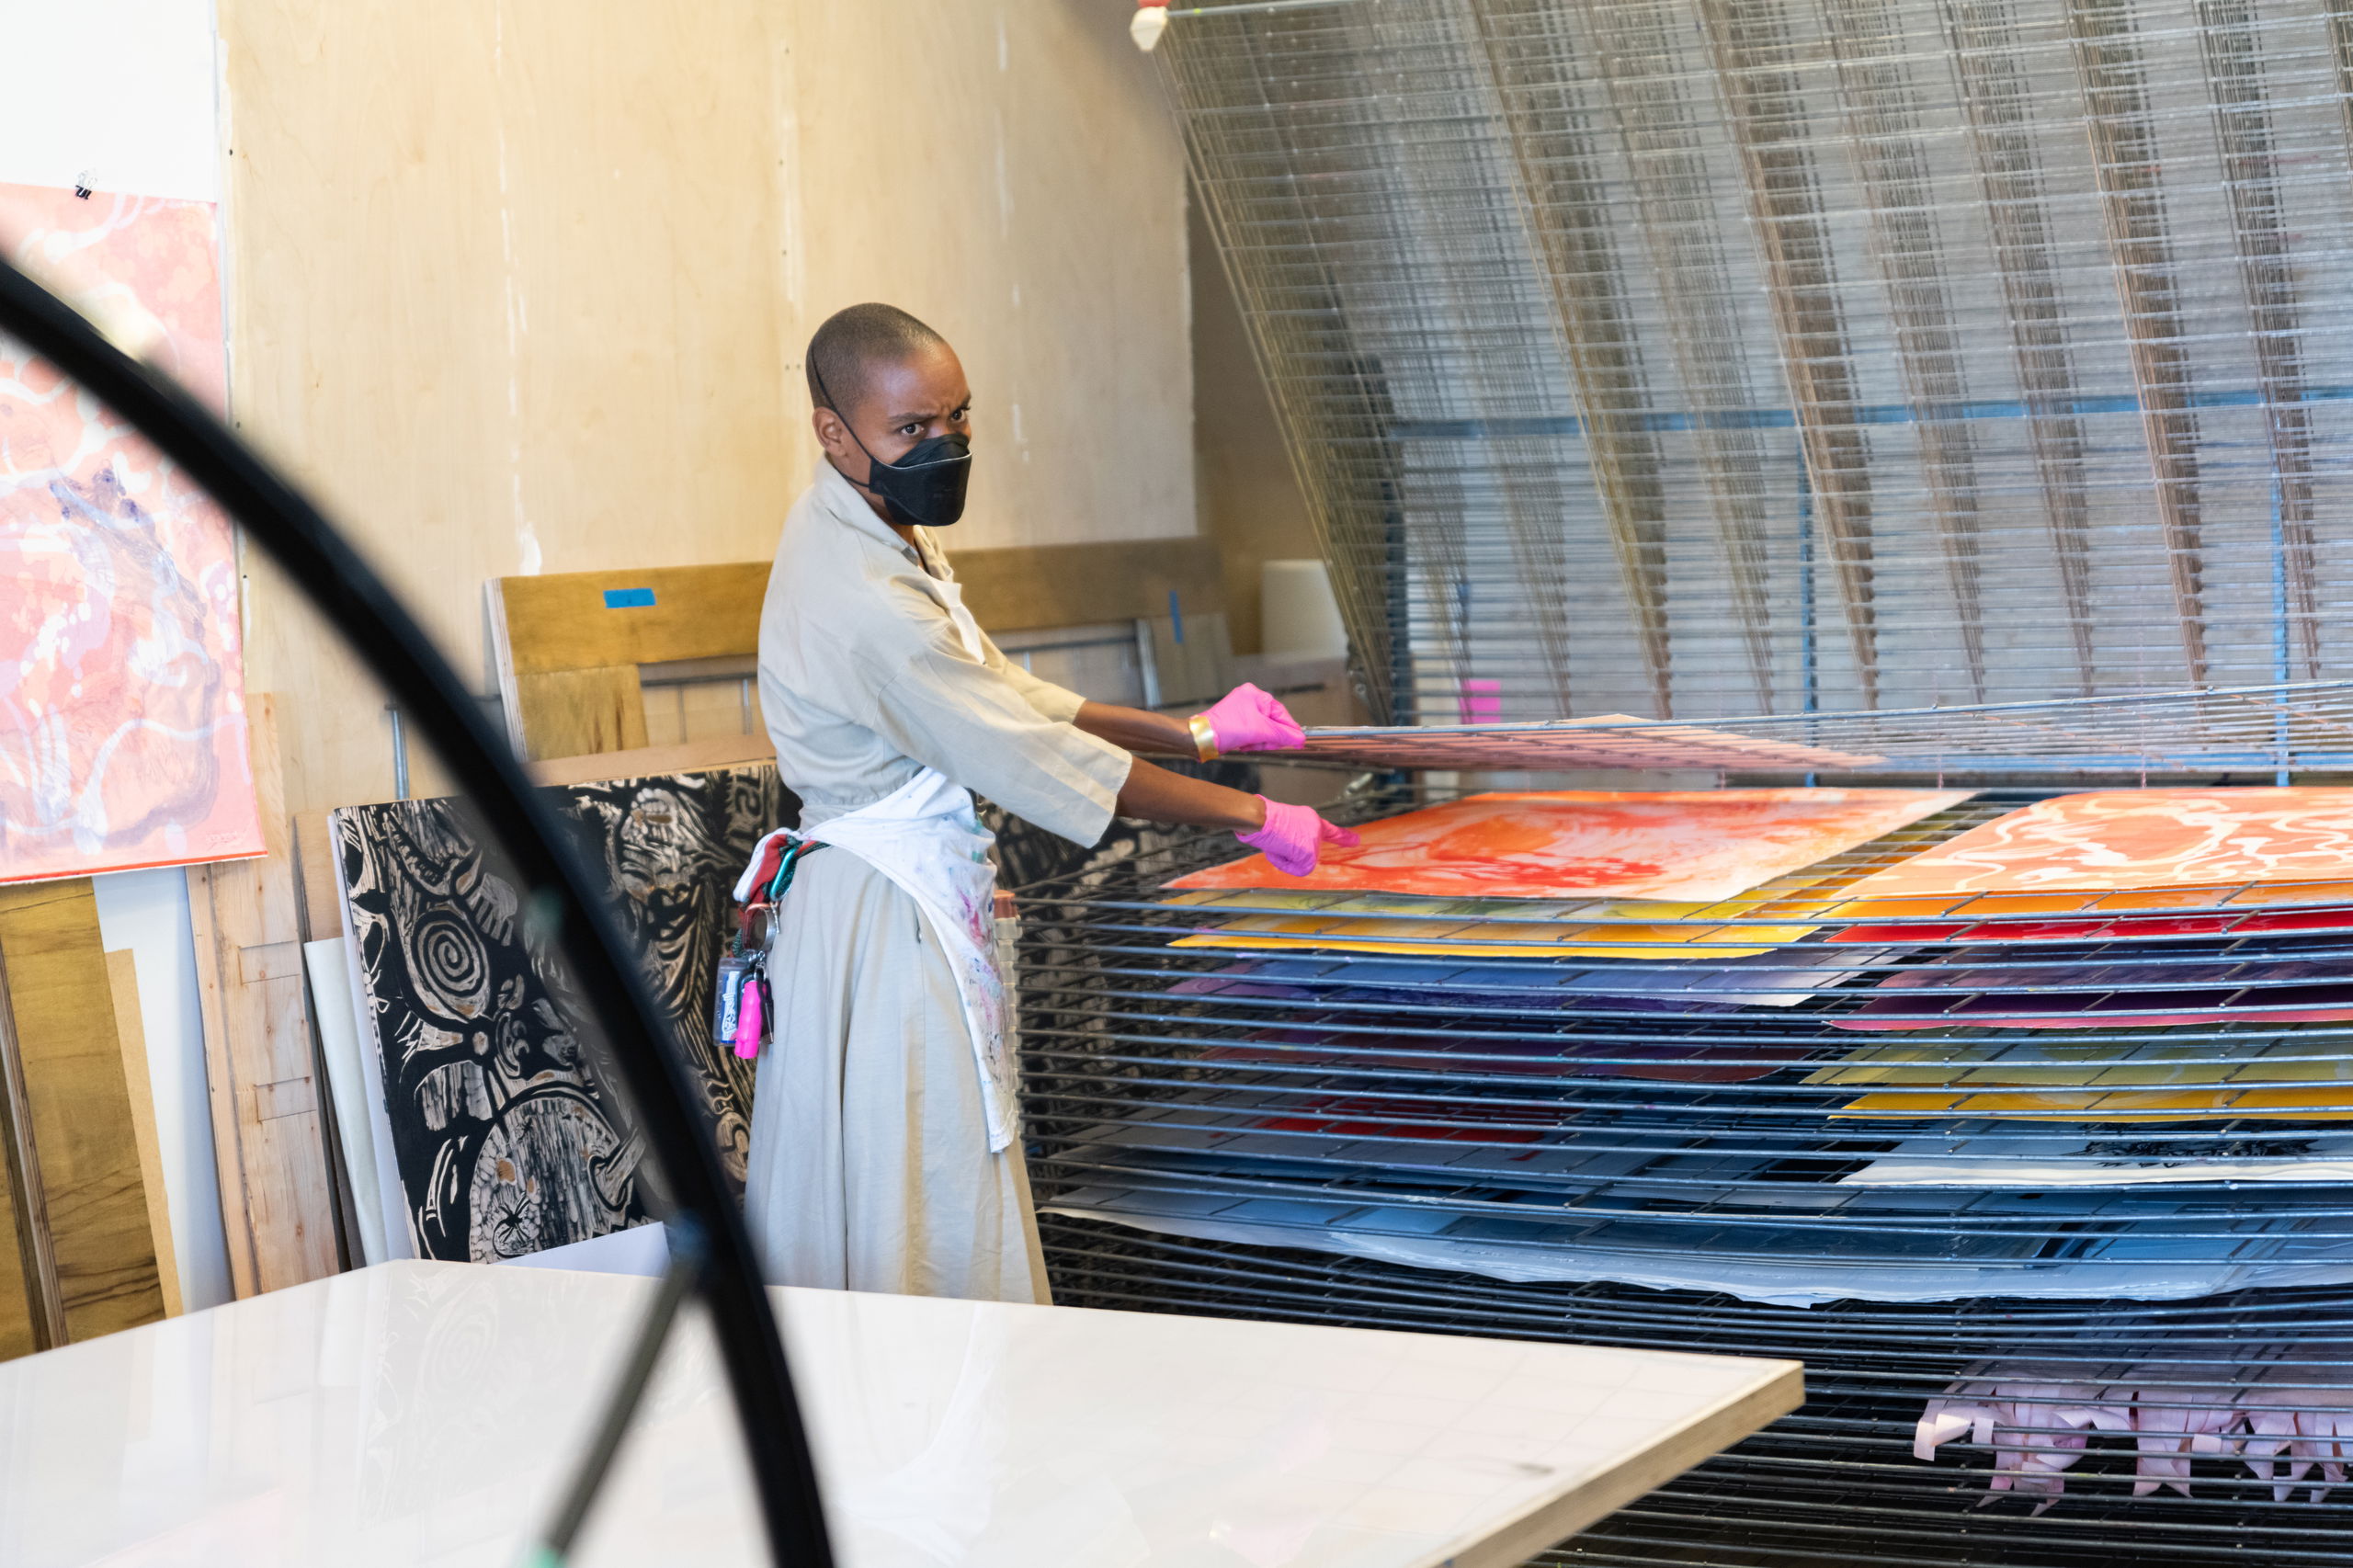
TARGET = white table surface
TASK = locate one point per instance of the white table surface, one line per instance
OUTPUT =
(426, 1414)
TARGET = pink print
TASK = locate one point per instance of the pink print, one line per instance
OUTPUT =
(123, 708)
(2125, 839)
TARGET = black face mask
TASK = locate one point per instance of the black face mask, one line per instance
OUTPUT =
(926, 487)
(923, 489)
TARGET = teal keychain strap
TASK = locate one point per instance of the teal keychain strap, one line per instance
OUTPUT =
(794, 853)
(779, 885)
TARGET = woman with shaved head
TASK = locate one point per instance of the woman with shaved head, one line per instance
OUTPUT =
(884, 1149)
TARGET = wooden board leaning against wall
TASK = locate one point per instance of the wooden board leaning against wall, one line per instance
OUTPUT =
(279, 1191)
(80, 1256)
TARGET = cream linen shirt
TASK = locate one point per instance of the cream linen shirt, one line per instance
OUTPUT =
(864, 681)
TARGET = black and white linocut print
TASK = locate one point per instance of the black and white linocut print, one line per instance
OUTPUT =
(506, 1141)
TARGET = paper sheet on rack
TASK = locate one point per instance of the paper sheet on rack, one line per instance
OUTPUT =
(2000, 918)
(2145, 1268)
(1681, 845)
(2147, 987)
(1469, 1055)
(2137, 1081)
(2288, 843)
(1779, 978)
(1496, 928)
(2036, 1164)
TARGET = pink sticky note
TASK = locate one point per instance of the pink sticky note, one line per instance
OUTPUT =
(1482, 701)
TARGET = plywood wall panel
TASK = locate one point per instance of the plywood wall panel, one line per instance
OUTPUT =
(506, 292)
(1009, 173)
(522, 287)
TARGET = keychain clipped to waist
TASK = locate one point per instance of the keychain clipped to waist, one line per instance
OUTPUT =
(743, 1009)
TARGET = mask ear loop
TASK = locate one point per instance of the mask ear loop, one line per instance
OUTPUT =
(872, 461)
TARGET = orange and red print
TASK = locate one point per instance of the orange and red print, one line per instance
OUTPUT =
(1702, 844)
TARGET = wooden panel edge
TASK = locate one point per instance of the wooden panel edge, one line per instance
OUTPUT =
(313, 847)
(502, 652)
(689, 756)
(131, 1028)
(221, 1092)
(1698, 1441)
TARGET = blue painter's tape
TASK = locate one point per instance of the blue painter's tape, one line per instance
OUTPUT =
(629, 598)
(1176, 618)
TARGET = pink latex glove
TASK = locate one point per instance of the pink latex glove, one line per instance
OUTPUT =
(1248, 719)
(1294, 835)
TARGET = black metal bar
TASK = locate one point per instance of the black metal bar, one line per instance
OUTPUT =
(562, 894)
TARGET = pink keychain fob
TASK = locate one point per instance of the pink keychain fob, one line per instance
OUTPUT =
(751, 1019)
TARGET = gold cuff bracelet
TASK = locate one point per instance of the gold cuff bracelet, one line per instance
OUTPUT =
(1204, 738)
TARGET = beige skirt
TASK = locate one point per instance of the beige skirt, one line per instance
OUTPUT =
(869, 1164)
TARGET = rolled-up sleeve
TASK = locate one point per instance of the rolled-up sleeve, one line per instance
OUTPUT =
(1059, 703)
(984, 729)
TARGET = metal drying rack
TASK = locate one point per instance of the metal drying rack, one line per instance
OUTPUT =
(1440, 1139)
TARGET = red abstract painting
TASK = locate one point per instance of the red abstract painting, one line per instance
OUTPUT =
(1706, 844)
(123, 711)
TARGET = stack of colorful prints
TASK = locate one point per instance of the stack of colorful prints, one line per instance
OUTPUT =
(1398, 933)
(2176, 901)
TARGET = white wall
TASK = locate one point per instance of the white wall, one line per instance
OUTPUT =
(123, 93)
(147, 912)
(120, 90)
